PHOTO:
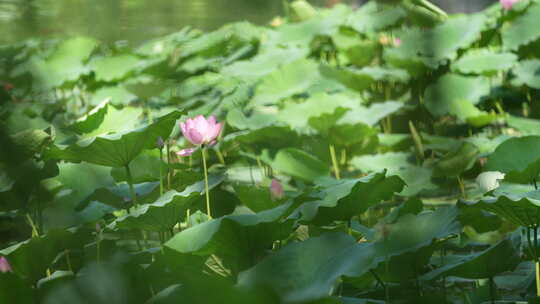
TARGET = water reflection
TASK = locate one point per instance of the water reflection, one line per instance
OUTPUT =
(135, 20)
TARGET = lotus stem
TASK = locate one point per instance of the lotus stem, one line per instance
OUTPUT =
(130, 183)
(160, 172)
(206, 183)
(35, 232)
(417, 141)
(220, 157)
(168, 166)
(537, 278)
(68, 260)
(334, 161)
(461, 186)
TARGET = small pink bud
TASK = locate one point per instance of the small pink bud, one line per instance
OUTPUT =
(397, 42)
(4, 265)
(276, 190)
(507, 4)
(160, 143)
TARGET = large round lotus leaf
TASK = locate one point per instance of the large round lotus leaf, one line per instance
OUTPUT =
(439, 43)
(299, 164)
(297, 115)
(346, 198)
(237, 239)
(528, 73)
(526, 126)
(266, 137)
(167, 211)
(523, 29)
(519, 158)
(484, 62)
(521, 209)
(373, 17)
(117, 149)
(115, 68)
(307, 271)
(256, 198)
(361, 79)
(28, 264)
(325, 23)
(456, 95)
(66, 63)
(416, 178)
(105, 118)
(293, 78)
(499, 258)
(118, 95)
(458, 161)
(266, 61)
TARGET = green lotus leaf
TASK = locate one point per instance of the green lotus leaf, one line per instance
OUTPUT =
(115, 68)
(117, 149)
(527, 73)
(238, 239)
(526, 126)
(484, 62)
(497, 259)
(373, 17)
(307, 271)
(522, 30)
(518, 158)
(346, 198)
(415, 177)
(456, 95)
(521, 209)
(167, 211)
(299, 164)
(31, 266)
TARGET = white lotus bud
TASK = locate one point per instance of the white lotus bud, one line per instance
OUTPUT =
(489, 180)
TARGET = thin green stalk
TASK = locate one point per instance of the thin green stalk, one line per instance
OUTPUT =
(334, 161)
(169, 166)
(161, 172)
(68, 260)
(206, 183)
(537, 279)
(220, 157)
(130, 182)
(461, 186)
(98, 244)
(492, 289)
(35, 232)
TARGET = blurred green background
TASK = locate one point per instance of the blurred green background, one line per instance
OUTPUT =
(134, 21)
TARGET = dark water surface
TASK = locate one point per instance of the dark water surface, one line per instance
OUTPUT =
(135, 21)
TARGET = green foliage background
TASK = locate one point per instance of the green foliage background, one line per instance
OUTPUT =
(376, 121)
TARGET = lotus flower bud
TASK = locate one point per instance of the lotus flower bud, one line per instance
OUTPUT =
(4, 265)
(489, 180)
(276, 190)
(507, 4)
(160, 143)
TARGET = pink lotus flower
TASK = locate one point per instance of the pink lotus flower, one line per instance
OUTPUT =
(276, 190)
(397, 42)
(4, 265)
(507, 4)
(199, 131)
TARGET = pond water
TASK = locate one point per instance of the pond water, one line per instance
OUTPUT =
(138, 20)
